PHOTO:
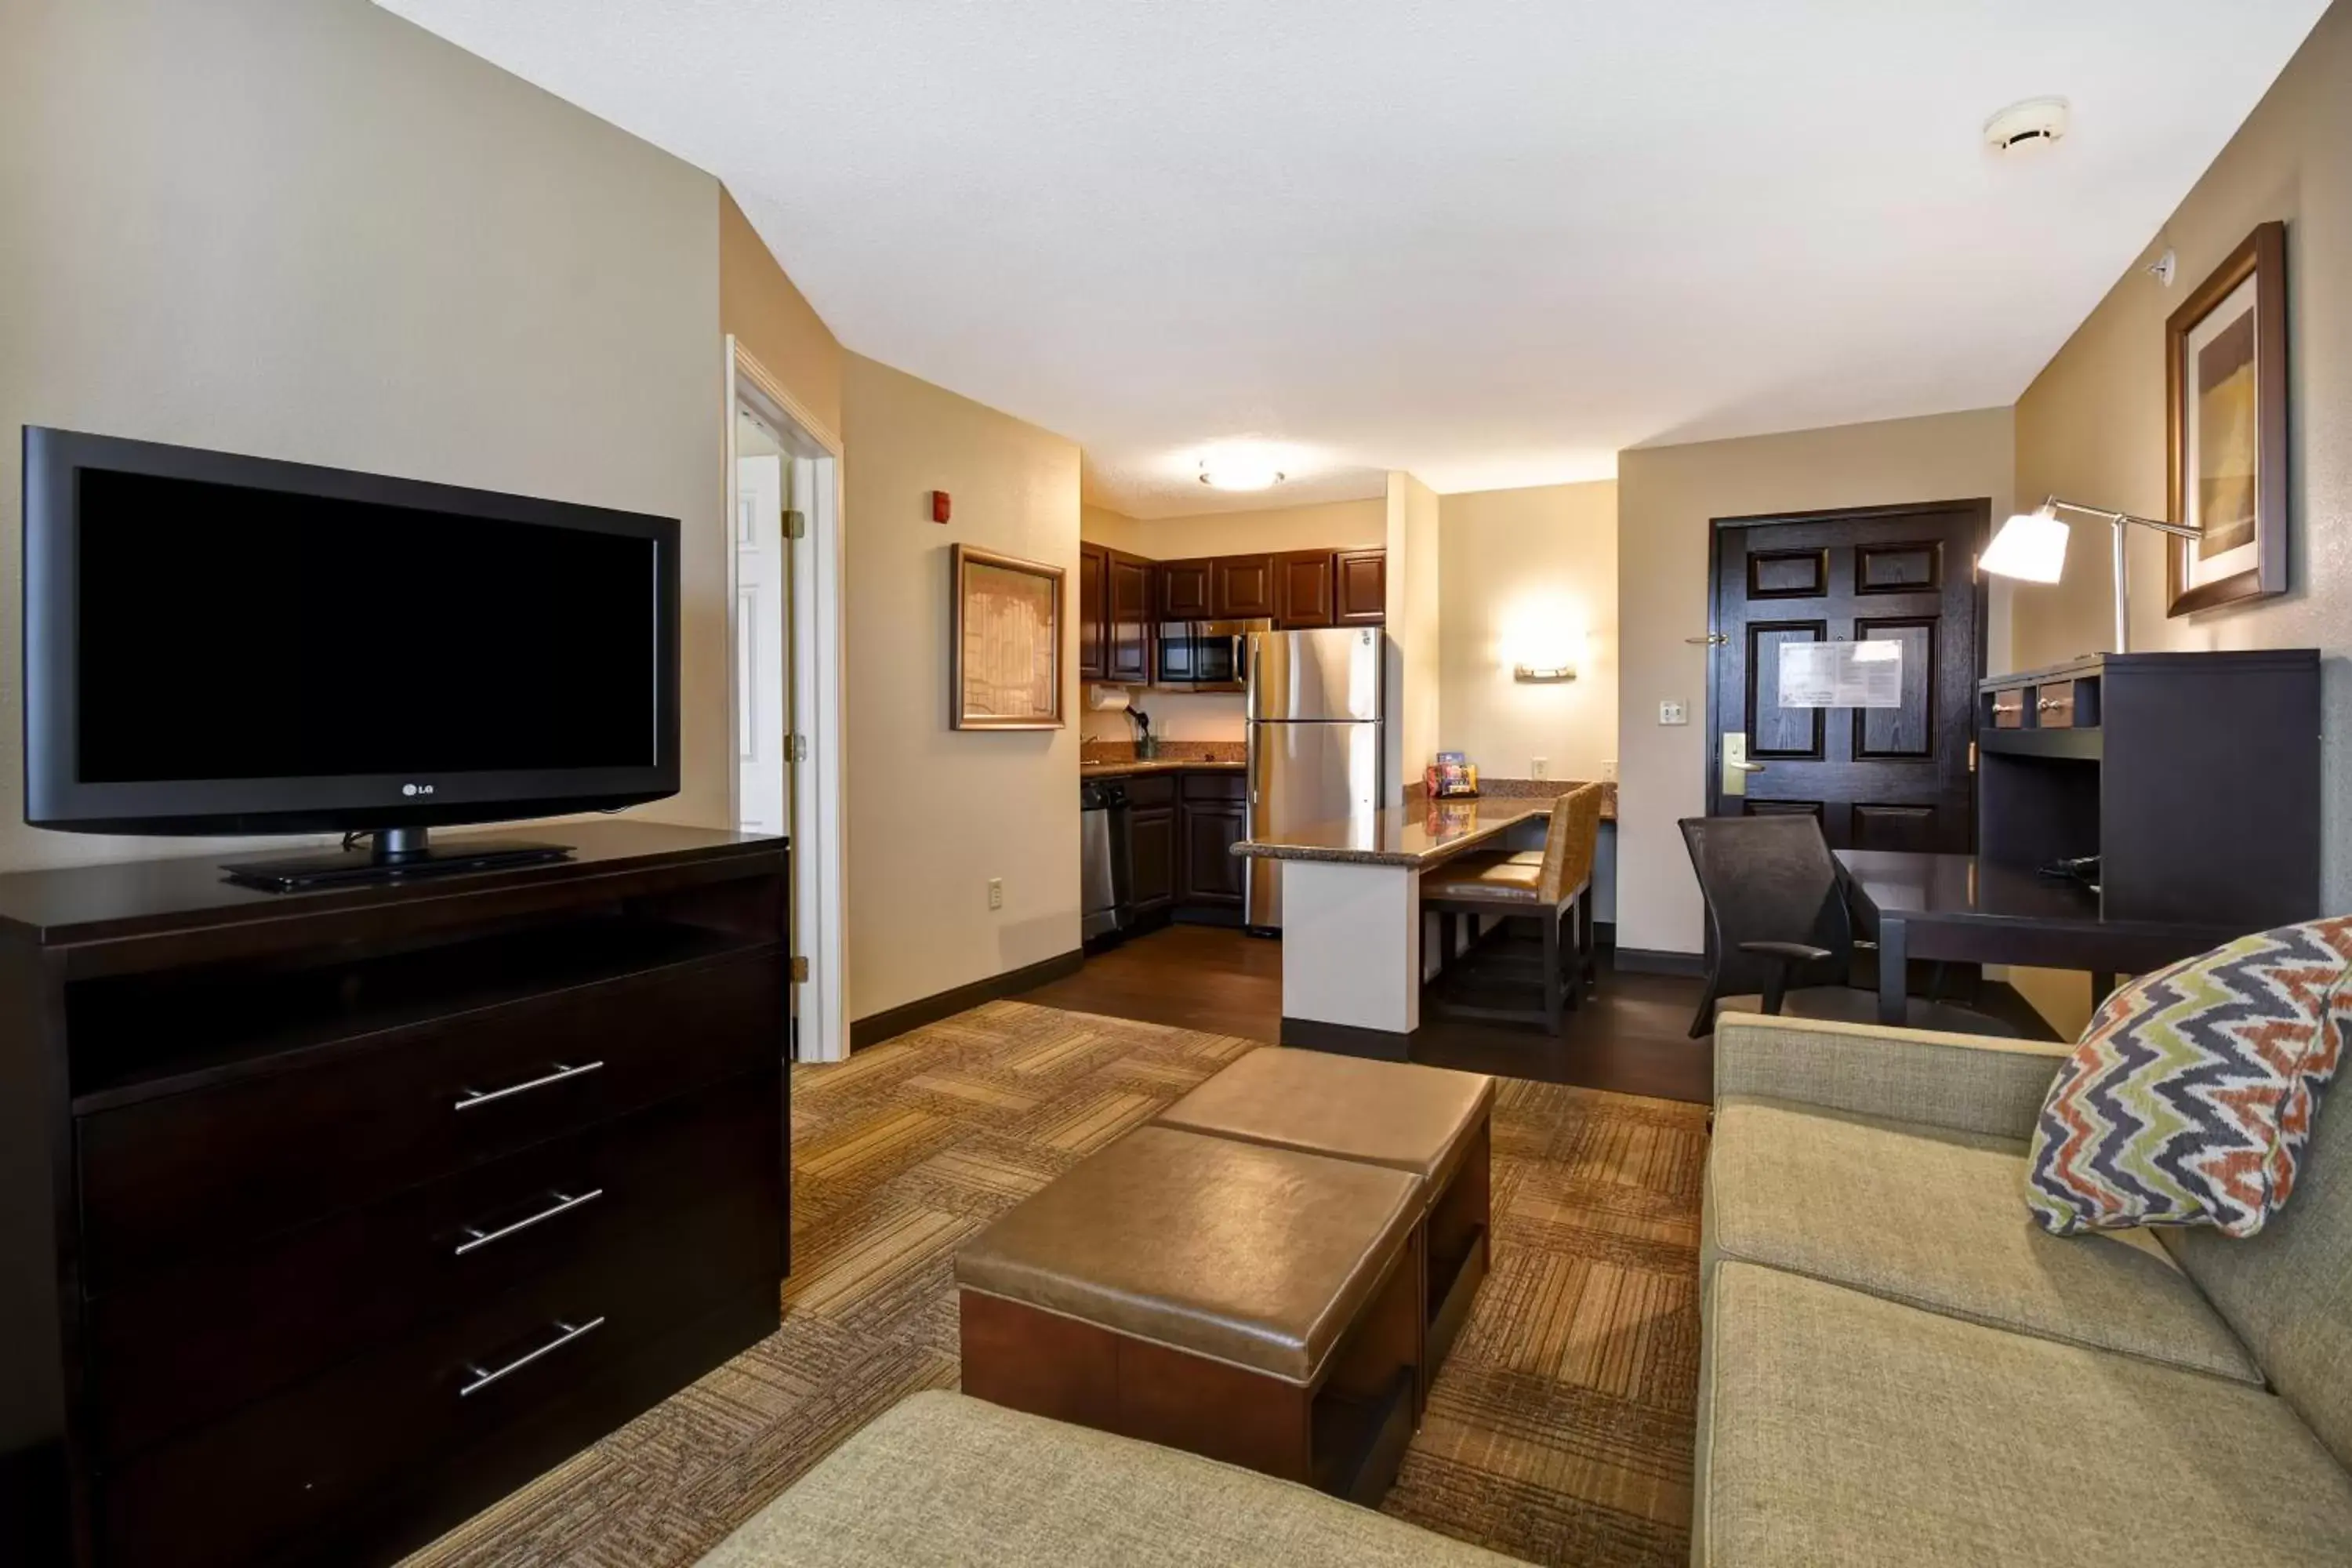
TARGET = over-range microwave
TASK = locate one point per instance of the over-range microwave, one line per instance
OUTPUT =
(1205, 655)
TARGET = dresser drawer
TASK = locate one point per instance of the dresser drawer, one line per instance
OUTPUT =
(2009, 709)
(349, 1126)
(256, 1479)
(2057, 706)
(186, 1346)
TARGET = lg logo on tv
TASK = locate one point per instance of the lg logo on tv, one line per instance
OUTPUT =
(416, 789)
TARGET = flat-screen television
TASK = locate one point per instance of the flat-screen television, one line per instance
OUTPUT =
(230, 645)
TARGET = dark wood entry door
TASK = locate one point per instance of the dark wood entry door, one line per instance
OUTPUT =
(1875, 777)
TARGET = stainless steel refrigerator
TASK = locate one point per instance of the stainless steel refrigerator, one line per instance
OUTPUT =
(1314, 708)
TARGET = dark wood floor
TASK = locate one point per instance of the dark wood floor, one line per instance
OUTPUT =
(1630, 1037)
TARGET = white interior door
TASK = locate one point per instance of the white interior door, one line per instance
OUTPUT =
(762, 646)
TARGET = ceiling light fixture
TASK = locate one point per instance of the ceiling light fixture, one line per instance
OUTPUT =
(1240, 471)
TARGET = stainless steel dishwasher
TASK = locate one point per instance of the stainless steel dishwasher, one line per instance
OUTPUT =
(1101, 860)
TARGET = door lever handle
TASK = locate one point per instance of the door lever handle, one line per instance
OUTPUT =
(1712, 639)
(1747, 767)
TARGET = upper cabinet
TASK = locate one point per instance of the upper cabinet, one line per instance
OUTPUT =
(1130, 589)
(1241, 588)
(1184, 590)
(1303, 589)
(1361, 592)
(1094, 610)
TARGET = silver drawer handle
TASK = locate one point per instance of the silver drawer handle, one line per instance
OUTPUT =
(482, 1380)
(2048, 705)
(565, 1202)
(474, 1096)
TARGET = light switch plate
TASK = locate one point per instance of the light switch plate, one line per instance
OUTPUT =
(997, 892)
(1673, 713)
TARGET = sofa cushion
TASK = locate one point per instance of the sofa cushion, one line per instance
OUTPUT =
(1929, 1216)
(939, 1478)
(1839, 1428)
(2288, 1291)
(2195, 1087)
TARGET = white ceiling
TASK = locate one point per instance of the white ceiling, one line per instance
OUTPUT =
(1489, 241)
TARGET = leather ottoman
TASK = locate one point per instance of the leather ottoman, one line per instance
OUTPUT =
(1431, 1123)
(1252, 1304)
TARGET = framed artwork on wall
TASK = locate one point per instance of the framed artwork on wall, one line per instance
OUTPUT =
(2225, 387)
(1006, 638)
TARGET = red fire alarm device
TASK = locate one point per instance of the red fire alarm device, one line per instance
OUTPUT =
(939, 506)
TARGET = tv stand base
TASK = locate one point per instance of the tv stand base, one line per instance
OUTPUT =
(398, 854)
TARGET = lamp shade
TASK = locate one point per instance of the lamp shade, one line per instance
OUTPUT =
(2031, 545)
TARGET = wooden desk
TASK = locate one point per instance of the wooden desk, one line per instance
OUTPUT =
(1964, 908)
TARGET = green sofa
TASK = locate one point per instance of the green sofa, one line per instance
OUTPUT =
(940, 1480)
(1899, 1367)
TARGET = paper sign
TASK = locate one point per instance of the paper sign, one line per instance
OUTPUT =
(1841, 674)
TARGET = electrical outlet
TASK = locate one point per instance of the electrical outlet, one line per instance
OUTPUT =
(1539, 767)
(1609, 770)
(997, 892)
(1673, 713)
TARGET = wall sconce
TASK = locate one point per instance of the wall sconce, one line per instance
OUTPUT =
(1540, 672)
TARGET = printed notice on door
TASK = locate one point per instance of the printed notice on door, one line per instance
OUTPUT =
(1841, 674)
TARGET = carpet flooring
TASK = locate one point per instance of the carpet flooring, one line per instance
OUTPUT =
(1559, 1431)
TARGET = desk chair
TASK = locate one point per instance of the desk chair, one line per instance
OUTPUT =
(1548, 886)
(1779, 932)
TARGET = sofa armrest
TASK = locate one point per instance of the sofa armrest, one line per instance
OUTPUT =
(1972, 1083)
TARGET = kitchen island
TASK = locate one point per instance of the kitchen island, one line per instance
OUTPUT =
(1351, 914)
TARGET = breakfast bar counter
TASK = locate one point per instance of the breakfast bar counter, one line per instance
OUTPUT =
(1351, 914)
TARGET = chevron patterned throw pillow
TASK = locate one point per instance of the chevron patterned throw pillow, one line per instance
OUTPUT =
(2194, 1089)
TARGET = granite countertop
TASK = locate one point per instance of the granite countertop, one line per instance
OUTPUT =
(1129, 768)
(1416, 837)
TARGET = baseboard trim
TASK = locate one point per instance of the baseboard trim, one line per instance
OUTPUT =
(892, 1022)
(1650, 961)
(1346, 1039)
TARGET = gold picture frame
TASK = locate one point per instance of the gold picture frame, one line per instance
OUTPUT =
(2225, 399)
(1004, 642)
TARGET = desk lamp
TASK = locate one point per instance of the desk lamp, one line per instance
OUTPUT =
(2031, 547)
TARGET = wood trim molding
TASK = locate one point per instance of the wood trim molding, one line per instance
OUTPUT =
(1648, 961)
(909, 1017)
(748, 366)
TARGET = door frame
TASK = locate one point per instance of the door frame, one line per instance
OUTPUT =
(820, 931)
(1980, 598)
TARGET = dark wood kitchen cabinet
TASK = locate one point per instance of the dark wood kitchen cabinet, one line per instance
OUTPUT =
(1093, 612)
(1151, 858)
(1215, 817)
(1303, 586)
(1184, 590)
(1241, 588)
(1360, 589)
(1128, 591)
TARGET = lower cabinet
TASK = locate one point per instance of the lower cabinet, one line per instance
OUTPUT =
(1213, 819)
(1151, 858)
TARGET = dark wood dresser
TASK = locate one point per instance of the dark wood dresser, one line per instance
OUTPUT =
(326, 1218)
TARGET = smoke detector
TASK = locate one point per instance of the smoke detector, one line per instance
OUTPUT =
(2030, 126)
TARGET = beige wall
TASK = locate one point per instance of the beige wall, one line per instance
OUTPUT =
(306, 229)
(770, 317)
(934, 813)
(1218, 715)
(1520, 571)
(1416, 610)
(1666, 500)
(1339, 525)
(2092, 427)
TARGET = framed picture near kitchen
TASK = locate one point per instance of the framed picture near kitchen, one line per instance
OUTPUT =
(2225, 383)
(1005, 633)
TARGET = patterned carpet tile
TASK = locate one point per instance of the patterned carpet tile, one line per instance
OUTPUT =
(1561, 1431)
